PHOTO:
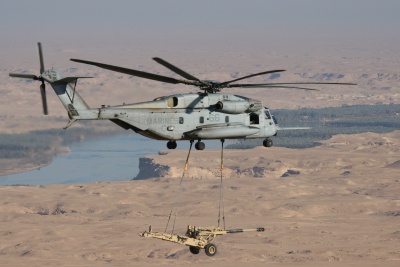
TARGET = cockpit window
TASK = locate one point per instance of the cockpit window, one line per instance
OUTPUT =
(274, 119)
(254, 119)
(267, 115)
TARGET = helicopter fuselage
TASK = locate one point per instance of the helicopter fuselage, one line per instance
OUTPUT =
(190, 117)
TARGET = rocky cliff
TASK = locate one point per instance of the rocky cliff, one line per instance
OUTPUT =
(206, 168)
(278, 162)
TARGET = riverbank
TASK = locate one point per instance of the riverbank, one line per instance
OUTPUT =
(33, 150)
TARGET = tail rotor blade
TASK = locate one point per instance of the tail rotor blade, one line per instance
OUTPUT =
(44, 100)
(23, 75)
(39, 45)
(37, 78)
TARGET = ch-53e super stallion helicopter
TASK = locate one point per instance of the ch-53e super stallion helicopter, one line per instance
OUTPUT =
(208, 114)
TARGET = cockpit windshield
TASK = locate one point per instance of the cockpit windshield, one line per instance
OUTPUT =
(267, 114)
(274, 119)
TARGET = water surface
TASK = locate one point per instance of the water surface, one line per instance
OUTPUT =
(113, 158)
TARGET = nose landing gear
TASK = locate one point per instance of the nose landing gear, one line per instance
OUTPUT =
(267, 142)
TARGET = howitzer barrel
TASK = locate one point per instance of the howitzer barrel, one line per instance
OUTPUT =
(232, 231)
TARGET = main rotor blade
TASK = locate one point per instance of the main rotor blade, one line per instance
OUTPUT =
(289, 87)
(39, 46)
(284, 85)
(252, 75)
(137, 73)
(175, 69)
(270, 86)
(310, 83)
(23, 75)
(44, 100)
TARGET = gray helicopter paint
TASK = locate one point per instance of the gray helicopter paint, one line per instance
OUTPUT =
(170, 123)
(174, 117)
(156, 120)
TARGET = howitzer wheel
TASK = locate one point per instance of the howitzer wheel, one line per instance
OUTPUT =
(194, 250)
(210, 249)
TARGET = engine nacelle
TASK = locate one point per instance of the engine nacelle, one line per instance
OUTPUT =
(232, 107)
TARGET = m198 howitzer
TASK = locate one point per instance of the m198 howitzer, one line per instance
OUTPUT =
(197, 237)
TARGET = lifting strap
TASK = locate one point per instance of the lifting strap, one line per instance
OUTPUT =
(221, 208)
(175, 205)
(221, 195)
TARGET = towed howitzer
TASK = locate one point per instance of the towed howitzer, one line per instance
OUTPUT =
(197, 237)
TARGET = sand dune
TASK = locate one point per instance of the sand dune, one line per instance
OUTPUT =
(341, 207)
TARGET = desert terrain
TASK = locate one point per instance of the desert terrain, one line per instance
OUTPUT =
(332, 205)
(336, 204)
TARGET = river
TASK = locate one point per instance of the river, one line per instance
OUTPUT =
(114, 158)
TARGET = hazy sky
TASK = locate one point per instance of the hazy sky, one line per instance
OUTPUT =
(207, 23)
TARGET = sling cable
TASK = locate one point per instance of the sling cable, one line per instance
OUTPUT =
(198, 237)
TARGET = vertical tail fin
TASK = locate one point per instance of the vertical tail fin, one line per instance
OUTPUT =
(65, 89)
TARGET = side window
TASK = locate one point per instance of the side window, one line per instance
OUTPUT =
(226, 118)
(201, 119)
(180, 120)
(254, 119)
(172, 102)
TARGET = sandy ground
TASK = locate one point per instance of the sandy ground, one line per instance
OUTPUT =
(342, 208)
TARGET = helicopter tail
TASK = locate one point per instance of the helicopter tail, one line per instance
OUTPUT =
(65, 89)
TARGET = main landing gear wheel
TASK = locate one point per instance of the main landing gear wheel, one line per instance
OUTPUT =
(268, 142)
(210, 249)
(194, 250)
(199, 145)
(171, 145)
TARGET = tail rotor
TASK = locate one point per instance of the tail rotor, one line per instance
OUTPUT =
(44, 99)
(39, 46)
(37, 78)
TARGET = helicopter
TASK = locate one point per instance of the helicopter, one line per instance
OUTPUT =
(208, 114)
